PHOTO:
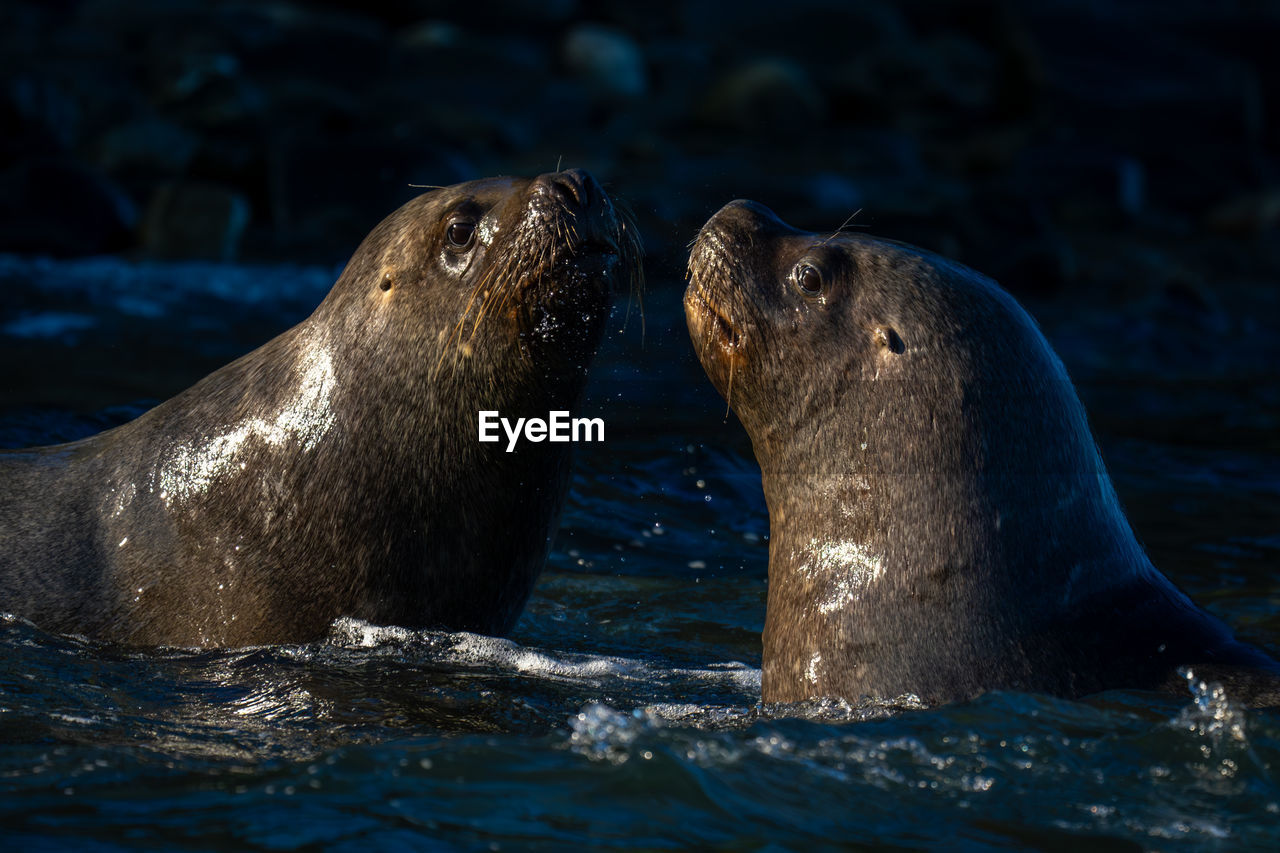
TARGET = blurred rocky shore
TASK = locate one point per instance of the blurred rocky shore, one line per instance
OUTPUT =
(1117, 164)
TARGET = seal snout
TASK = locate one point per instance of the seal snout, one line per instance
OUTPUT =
(575, 186)
(735, 232)
(745, 216)
(711, 294)
(587, 205)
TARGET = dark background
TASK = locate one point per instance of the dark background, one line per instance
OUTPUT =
(1114, 164)
(1017, 137)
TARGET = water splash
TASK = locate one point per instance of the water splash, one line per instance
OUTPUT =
(602, 733)
(1212, 715)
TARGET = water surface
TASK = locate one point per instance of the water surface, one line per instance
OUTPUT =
(623, 712)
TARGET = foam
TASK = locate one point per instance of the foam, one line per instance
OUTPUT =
(467, 649)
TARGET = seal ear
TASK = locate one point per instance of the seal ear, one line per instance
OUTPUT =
(887, 338)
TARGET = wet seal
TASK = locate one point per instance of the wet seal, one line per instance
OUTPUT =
(941, 522)
(334, 471)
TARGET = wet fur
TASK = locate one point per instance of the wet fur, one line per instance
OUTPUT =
(941, 522)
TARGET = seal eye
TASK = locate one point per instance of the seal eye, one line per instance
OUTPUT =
(808, 279)
(461, 234)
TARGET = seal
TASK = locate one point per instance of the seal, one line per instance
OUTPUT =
(941, 523)
(335, 471)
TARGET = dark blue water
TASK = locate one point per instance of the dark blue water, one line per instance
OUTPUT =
(623, 712)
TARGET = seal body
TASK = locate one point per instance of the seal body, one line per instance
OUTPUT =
(336, 470)
(941, 522)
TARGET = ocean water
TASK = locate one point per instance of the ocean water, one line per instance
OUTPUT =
(623, 712)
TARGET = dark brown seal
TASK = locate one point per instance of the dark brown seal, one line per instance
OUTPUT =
(336, 471)
(941, 522)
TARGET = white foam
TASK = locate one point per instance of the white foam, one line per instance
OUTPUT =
(467, 649)
(361, 634)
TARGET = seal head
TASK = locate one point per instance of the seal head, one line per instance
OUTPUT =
(941, 521)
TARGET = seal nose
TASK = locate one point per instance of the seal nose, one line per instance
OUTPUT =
(751, 216)
(574, 194)
(575, 186)
(743, 217)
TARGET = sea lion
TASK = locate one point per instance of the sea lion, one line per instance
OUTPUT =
(941, 523)
(336, 470)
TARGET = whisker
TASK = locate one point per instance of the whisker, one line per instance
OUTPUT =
(843, 226)
(455, 338)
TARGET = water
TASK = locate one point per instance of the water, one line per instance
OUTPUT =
(623, 712)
